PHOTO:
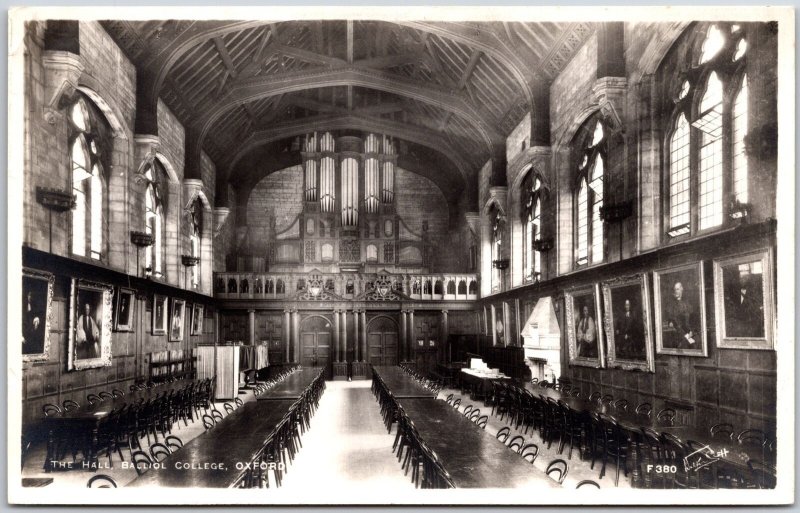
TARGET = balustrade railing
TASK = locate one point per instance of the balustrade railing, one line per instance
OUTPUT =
(420, 287)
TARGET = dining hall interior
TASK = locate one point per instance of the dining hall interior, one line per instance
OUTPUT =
(391, 255)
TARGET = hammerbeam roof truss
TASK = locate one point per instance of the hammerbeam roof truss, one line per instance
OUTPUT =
(469, 83)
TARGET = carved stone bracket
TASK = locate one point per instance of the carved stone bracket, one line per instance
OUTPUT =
(473, 220)
(61, 73)
(146, 147)
(499, 196)
(220, 216)
(609, 95)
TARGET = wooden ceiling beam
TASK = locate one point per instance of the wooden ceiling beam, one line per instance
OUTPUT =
(225, 56)
(473, 61)
(390, 61)
(309, 56)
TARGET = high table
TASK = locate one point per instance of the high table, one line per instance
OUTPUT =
(211, 459)
(472, 457)
(292, 386)
(400, 384)
(81, 425)
(481, 382)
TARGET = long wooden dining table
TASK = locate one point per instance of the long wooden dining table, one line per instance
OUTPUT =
(292, 386)
(725, 450)
(219, 457)
(401, 384)
(473, 457)
(80, 426)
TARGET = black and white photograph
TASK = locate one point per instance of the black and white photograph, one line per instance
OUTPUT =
(743, 288)
(626, 315)
(125, 312)
(177, 320)
(37, 299)
(90, 325)
(680, 311)
(197, 319)
(585, 327)
(159, 315)
(401, 255)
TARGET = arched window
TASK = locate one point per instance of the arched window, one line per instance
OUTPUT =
(532, 221)
(372, 253)
(710, 123)
(589, 247)
(195, 238)
(154, 218)
(89, 132)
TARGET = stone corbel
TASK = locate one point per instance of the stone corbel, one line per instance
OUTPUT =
(498, 195)
(191, 188)
(146, 147)
(473, 220)
(220, 216)
(609, 95)
(61, 73)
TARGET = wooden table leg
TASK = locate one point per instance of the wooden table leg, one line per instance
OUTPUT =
(50, 459)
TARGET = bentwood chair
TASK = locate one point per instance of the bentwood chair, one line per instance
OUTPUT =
(208, 421)
(666, 417)
(159, 451)
(516, 443)
(722, 431)
(141, 462)
(173, 443)
(51, 410)
(589, 483)
(644, 409)
(560, 467)
(482, 420)
(101, 481)
(529, 452)
(503, 434)
(70, 405)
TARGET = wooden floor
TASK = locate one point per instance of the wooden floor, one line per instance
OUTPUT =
(347, 446)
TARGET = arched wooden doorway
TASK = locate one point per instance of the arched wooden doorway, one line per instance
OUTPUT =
(315, 340)
(382, 341)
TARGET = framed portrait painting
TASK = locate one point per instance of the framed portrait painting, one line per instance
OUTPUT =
(124, 311)
(90, 325)
(197, 319)
(680, 310)
(627, 323)
(584, 328)
(37, 303)
(176, 323)
(160, 308)
(744, 301)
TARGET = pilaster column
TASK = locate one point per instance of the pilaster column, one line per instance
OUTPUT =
(363, 335)
(252, 332)
(445, 333)
(287, 333)
(411, 334)
(296, 335)
(403, 336)
(336, 329)
(344, 333)
(357, 337)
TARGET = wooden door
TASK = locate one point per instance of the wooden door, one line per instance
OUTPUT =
(382, 341)
(315, 342)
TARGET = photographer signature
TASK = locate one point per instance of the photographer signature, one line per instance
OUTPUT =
(703, 457)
